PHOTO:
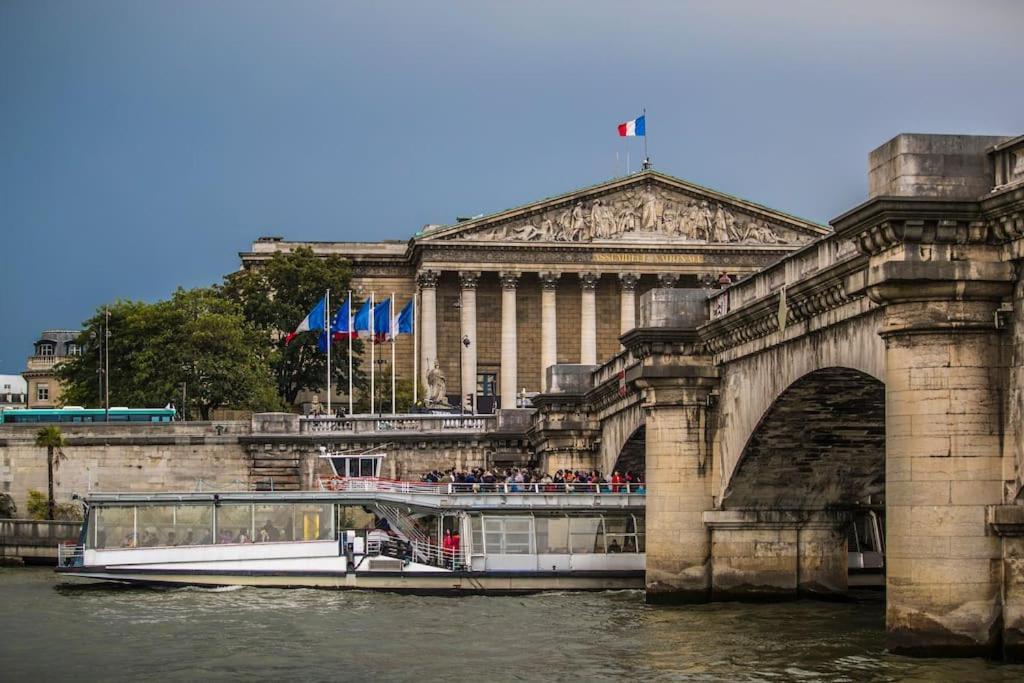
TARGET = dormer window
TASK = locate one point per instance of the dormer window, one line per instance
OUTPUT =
(45, 349)
(74, 349)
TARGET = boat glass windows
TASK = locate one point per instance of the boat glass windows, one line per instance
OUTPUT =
(621, 535)
(508, 535)
(586, 535)
(234, 523)
(356, 466)
(552, 535)
(112, 527)
(173, 525)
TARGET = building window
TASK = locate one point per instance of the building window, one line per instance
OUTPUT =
(42, 391)
(486, 383)
(45, 349)
(74, 349)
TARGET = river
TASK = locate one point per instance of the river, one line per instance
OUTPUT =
(53, 630)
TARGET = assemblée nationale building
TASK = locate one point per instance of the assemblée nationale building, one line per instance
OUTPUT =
(502, 297)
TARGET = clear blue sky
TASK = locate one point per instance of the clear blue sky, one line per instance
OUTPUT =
(143, 144)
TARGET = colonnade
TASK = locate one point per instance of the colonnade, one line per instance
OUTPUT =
(427, 283)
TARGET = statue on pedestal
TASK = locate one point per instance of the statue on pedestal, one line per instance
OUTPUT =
(437, 387)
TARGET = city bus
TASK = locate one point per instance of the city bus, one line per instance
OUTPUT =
(73, 414)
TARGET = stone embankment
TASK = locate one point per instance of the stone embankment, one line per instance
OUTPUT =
(272, 450)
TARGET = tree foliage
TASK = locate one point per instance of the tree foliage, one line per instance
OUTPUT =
(198, 338)
(275, 296)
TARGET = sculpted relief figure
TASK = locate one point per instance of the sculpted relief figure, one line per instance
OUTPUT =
(759, 231)
(651, 210)
(648, 211)
(602, 220)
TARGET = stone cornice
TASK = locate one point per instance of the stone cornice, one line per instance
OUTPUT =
(644, 342)
(818, 293)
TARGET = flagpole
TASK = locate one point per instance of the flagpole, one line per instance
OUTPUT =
(373, 360)
(647, 158)
(327, 329)
(349, 352)
(415, 354)
(391, 311)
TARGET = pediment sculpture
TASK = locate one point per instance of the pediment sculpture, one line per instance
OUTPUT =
(639, 214)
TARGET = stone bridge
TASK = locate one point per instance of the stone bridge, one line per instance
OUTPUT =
(879, 363)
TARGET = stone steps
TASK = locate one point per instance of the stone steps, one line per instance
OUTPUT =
(270, 470)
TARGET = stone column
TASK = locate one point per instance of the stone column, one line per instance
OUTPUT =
(468, 282)
(588, 318)
(509, 344)
(668, 280)
(548, 325)
(427, 324)
(940, 282)
(627, 301)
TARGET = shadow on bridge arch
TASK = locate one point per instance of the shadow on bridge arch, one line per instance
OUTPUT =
(632, 455)
(819, 446)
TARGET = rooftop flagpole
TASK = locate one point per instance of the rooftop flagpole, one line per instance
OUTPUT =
(373, 352)
(327, 331)
(349, 328)
(391, 313)
(647, 157)
(415, 354)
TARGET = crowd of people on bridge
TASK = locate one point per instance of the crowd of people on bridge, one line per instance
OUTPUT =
(525, 480)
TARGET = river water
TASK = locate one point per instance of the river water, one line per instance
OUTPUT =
(53, 630)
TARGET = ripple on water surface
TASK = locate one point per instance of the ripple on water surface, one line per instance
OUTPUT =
(84, 632)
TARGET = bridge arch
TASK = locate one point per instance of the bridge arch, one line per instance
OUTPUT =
(621, 433)
(820, 445)
(752, 381)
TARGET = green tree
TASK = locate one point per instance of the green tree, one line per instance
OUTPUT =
(275, 297)
(197, 338)
(51, 438)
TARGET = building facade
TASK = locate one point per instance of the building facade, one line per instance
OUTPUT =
(13, 392)
(52, 348)
(500, 298)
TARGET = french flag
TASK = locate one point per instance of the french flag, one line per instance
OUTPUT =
(635, 128)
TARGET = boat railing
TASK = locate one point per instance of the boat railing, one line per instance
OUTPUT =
(374, 484)
(439, 556)
(70, 555)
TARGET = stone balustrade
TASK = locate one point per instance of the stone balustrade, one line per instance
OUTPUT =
(371, 424)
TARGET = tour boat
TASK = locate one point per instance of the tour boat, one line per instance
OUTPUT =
(364, 532)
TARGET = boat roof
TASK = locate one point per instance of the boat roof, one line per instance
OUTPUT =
(506, 502)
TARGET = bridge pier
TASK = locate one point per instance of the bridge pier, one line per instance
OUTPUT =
(678, 464)
(939, 274)
(777, 554)
(943, 468)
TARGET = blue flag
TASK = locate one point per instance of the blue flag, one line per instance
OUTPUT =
(382, 321)
(361, 323)
(405, 320)
(339, 324)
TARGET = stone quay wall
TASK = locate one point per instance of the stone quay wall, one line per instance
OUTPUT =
(190, 456)
(124, 457)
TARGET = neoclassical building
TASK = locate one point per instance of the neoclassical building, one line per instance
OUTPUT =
(502, 297)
